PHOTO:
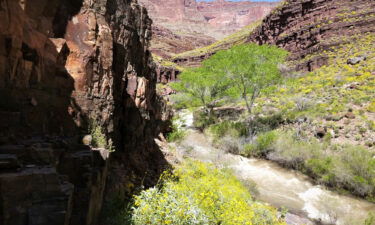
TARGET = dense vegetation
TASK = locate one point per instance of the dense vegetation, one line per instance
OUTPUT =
(243, 71)
(321, 123)
(199, 193)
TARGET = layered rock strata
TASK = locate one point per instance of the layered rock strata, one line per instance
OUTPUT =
(66, 66)
(216, 18)
(309, 27)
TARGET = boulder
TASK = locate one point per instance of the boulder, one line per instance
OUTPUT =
(355, 60)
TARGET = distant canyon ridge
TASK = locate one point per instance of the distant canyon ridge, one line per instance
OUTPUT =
(196, 24)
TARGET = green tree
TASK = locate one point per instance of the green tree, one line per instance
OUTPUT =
(242, 71)
(204, 85)
(251, 68)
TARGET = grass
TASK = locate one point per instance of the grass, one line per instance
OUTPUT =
(166, 63)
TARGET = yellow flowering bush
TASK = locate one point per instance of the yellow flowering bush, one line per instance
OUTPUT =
(199, 193)
(337, 84)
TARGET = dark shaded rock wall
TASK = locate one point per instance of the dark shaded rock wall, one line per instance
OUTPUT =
(64, 64)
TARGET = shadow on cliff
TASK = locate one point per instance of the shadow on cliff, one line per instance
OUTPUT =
(140, 162)
(38, 102)
(64, 14)
(35, 87)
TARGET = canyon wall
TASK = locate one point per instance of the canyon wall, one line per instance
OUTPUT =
(216, 19)
(66, 66)
(166, 43)
(309, 27)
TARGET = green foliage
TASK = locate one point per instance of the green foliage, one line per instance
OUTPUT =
(250, 68)
(262, 144)
(203, 119)
(203, 85)
(164, 62)
(234, 129)
(265, 123)
(99, 139)
(176, 134)
(346, 166)
(325, 91)
(242, 71)
(199, 193)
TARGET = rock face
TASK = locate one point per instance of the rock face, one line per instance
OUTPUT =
(64, 65)
(216, 19)
(166, 74)
(307, 27)
(165, 43)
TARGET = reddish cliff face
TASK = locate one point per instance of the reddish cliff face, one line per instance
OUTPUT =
(307, 28)
(227, 17)
(165, 43)
(215, 19)
(63, 65)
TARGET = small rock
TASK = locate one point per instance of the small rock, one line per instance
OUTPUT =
(356, 60)
(87, 139)
(350, 115)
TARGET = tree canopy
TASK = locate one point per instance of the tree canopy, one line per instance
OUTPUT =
(243, 71)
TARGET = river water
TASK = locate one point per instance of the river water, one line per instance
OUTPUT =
(278, 186)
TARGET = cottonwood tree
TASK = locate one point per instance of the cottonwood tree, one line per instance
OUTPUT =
(204, 85)
(250, 68)
(243, 71)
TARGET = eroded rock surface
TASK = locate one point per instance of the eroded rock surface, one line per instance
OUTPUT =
(63, 65)
(216, 19)
(308, 27)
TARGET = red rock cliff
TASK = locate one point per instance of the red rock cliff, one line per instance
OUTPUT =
(64, 64)
(215, 19)
(307, 27)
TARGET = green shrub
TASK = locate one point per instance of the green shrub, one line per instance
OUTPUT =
(321, 168)
(99, 139)
(262, 145)
(202, 119)
(344, 167)
(235, 129)
(199, 193)
(263, 124)
(177, 134)
(249, 150)
(265, 140)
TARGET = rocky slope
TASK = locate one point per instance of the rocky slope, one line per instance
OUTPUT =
(66, 66)
(165, 43)
(194, 57)
(306, 29)
(216, 19)
(182, 25)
